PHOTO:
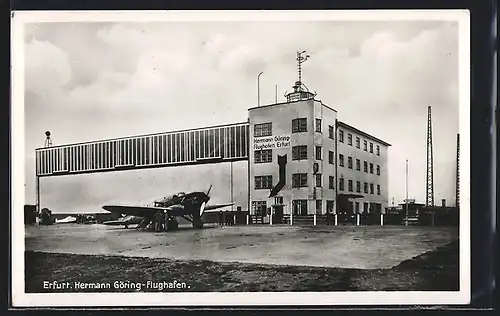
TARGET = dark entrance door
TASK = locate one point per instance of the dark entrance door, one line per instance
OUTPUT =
(278, 214)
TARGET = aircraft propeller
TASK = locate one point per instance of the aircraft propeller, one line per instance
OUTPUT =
(202, 208)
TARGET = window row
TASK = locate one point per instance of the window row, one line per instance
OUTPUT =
(300, 153)
(300, 207)
(226, 142)
(299, 180)
(350, 186)
(358, 142)
(358, 164)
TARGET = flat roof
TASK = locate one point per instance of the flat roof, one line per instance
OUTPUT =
(282, 103)
(145, 135)
(342, 124)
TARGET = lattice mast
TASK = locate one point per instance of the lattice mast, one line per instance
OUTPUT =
(457, 184)
(430, 162)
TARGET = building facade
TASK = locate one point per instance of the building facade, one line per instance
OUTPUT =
(362, 169)
(325, 159)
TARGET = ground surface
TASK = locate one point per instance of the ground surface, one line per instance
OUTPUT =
(433, 271)
(357, 247)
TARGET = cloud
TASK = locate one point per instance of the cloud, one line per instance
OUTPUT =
(47, 67)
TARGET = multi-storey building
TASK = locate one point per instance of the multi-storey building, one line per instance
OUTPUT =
(325, 159)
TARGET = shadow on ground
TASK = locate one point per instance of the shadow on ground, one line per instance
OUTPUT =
(432, 271)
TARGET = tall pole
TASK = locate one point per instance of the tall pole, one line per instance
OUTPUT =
(276, 94)
(406, 201)
(429, 201)
(258, 88)
(37, 195)
(231, 183)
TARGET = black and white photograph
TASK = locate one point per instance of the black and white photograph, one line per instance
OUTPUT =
(219, 158)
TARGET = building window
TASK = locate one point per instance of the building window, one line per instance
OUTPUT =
(278, 200)
(378, 150)
(259, 207)
(330, 131)
(341, 184)
(371, 147)
(341, 160)
(265, 129)
(378, 189)
(365, 187)
(263, 182)
(299, 125)
(349, 162)
(358, 142)
(349, 185)
(318, 180)
(299, 152)
(365, 145)
(365, 166)
(341, 136)
(331, 182)
(330, 157)
(318, 153)
(263, 156)
(299, 180)
(349, 139)
(318, 125)
(378, 170)
(371, 188)
(358, 186)
(319, 206)
(358, 164)
(329, 206)
(299, 207)
(371, 168)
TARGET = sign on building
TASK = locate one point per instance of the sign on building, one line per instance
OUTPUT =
(271, 142)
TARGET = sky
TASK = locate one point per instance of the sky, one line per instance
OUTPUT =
(86, 81)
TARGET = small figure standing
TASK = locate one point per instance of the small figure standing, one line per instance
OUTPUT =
(221, 218)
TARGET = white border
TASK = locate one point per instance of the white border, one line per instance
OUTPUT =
(21, 299)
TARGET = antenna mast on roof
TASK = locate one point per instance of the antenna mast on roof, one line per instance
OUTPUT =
(300, 91)
(300, 60)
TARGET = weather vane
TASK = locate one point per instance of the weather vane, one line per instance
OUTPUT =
(300, 60)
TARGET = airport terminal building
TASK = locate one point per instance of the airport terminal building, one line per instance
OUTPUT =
(301, 158)
(322, 158)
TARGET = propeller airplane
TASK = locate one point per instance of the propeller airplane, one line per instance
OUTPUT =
(165, 211)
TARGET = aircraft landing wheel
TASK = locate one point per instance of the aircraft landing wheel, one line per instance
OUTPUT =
(126, 226)
(172, 224)
(197, 223)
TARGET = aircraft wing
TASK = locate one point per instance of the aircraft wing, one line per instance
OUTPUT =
(144, 211)
(216, 206)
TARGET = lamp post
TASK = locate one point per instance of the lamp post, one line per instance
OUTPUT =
(406, 202)
(258, 88)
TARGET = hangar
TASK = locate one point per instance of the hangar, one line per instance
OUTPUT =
(301, 159)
